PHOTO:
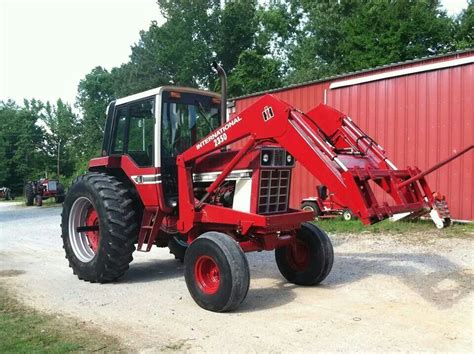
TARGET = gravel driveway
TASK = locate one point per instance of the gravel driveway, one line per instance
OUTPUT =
(385, 293)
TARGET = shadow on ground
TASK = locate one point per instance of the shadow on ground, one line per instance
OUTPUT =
(433, 277)
(259, 299)
(153, 270)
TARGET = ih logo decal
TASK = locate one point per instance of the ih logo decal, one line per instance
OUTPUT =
(267, 113)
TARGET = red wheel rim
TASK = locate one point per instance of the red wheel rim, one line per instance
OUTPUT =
(92, 236)
(298, 256)
(207, 274)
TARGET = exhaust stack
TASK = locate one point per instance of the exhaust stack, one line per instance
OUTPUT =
(221, 72)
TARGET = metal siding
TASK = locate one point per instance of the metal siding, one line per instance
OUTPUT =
(433, 118)
(419, 119)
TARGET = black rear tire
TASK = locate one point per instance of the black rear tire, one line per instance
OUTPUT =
(218, 290)
(29, 194)
(311, 206)
(118, 228)
(314, 258)
(60, 194)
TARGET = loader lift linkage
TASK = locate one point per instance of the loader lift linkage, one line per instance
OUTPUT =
(220, 201)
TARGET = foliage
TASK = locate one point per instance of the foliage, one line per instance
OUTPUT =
(29, 139)
(350, 35)
(464, 34)
(22, 150)
(261, 44)
(95, 92)
(254, 73)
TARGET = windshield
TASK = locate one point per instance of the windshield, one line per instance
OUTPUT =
(185, 121)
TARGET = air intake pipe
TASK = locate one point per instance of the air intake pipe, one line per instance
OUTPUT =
(221, 72)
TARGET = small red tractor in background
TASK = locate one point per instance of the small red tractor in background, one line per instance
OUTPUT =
(168, 176)
(6, 193)
(326, 205)
(37, 191)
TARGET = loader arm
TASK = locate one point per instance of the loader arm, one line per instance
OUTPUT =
(326, 142)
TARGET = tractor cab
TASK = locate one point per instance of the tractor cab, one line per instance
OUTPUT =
(150, 129)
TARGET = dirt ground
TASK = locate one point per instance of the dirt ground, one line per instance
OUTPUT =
(385, 293)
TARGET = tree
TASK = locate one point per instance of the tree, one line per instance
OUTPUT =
(465, 27)
(254, 73)
(351, 35)
(22, 153)
(238, 24)
(60, 136)
(95, 92)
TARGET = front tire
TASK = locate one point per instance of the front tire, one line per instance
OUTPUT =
(310, 260)
(99, 228)
(216, 272)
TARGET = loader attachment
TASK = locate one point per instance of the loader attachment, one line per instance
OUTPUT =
(329, 145)
(358, 171)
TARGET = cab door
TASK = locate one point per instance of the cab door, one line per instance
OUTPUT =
(134, 136)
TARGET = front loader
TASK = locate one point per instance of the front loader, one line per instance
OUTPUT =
(168, 176)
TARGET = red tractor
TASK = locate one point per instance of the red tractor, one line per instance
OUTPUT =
(326, 205)
(6, 193)
(168, 176)
(37, 191)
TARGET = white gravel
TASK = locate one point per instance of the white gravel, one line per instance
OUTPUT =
(385, 293)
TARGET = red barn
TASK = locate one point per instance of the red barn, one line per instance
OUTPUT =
(420, 111)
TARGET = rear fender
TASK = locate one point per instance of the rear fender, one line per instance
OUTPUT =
(145, 180)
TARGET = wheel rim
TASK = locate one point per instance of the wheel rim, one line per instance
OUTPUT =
(84, 244)
(308, 208)
(347, 216)
(207, 274)
(298, 256)
(92, 236)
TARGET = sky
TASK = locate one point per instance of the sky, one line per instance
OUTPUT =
(48, 46)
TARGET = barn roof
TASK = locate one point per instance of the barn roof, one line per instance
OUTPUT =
(377, 68)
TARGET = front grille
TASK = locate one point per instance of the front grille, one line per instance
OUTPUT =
(279, 157)
(274, 191)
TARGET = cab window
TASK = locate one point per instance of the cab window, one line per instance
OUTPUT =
(134, 131)
(184, 124)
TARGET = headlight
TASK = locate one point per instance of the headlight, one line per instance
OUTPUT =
(289, 159)
(266, 158)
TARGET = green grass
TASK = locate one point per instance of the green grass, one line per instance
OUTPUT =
(337, 225)
(25, 330)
